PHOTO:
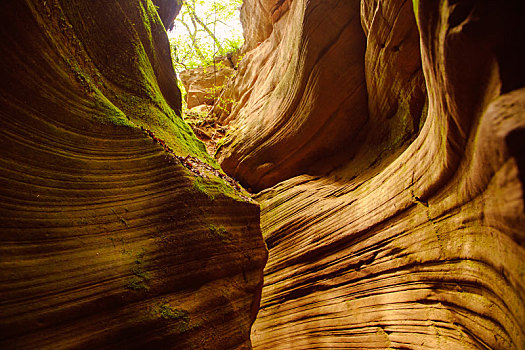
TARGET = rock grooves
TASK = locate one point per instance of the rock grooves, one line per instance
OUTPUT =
(107, 239)
(405, 230)
(198, 167)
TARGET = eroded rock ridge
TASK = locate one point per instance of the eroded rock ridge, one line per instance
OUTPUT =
(388, 140)
(117, 230)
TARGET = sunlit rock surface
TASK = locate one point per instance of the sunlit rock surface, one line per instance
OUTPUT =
(417, 239)
(289, 118)
(109, 236)
(204, 85)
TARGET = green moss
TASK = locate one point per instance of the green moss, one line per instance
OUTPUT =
(140, 273)
(218, 232)
(126, 92)
(80, 77)
(139, 258)
(169, 313)
(200, 186)
(105, 111)
(140, 276)
(154, 114)
(146, 15)
(180, 316)
(224, 142)
(137, 284)
(214, 187)
(109, 113)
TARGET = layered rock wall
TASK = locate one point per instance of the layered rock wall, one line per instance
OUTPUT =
(288, 117)
(116, 231)
(416, 240)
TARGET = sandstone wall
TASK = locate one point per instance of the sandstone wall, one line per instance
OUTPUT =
(417, 239)
(288, 117)
(113, 234)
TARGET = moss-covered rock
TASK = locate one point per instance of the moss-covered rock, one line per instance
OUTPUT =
(104, 242)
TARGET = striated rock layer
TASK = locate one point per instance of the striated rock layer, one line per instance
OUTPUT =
(110, 236)
(288, 117)
(417, 239)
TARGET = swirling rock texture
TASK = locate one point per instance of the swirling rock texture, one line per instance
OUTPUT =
(288, 116)
(389, 139)
(113, 233)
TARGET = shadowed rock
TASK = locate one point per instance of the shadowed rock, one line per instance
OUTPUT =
(110, 237)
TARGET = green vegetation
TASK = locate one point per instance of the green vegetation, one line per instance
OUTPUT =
(200, 185)
(166, 312)
(140, 276)
(213, 187)
(218, 232)
(205, 30)
(127, 93)
(225, 104)
(135, 283)
(111, 113)
(169, 313)
(415, 4)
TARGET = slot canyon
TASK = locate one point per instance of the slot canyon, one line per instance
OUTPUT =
(368, 192)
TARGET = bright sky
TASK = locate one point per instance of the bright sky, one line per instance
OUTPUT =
(224, 28)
